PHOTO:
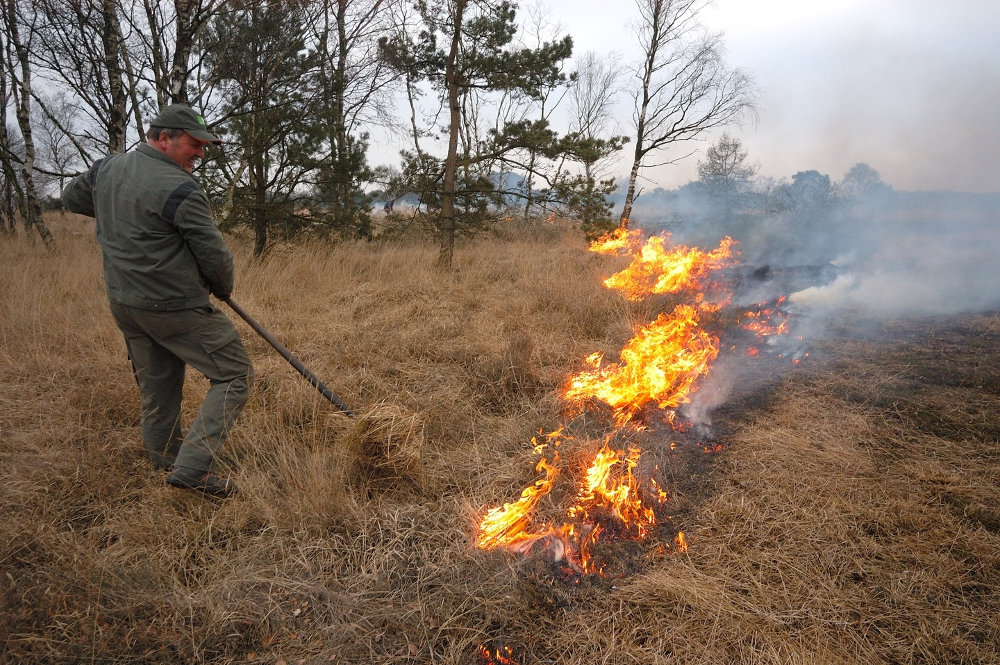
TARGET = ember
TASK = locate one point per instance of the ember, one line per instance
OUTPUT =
(496, 656)
(766, 321)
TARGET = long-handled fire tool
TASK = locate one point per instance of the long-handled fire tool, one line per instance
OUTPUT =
(295, 362)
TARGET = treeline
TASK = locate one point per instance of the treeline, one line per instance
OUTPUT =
(807, 219)
(296, 86)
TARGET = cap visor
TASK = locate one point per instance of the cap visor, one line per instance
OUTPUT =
(203, 136)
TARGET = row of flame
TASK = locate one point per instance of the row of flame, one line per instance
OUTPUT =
(659, 366)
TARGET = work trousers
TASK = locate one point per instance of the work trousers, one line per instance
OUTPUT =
(160, 346)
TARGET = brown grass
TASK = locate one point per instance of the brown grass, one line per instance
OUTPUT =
(851, 517)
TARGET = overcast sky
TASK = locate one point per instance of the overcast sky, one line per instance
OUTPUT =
(911, 87)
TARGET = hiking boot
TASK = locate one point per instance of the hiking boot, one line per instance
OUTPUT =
(203, 481)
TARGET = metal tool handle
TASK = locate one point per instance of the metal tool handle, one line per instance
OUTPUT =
(295, 362)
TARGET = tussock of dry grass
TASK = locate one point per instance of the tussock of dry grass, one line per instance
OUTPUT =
(851, 517)
(386, 440)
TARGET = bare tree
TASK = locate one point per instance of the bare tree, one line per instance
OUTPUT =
(167, 35)
(10, 188)
(684, 87)
(592, 99)
(18, 66)
(354, 83)
(725, 174)
(590, 143)
(56, 126)
(80, 49)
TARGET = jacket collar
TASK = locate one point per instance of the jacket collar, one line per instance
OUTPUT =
(150, 151)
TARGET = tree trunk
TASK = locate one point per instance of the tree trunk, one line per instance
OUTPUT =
(117, 116)
(31, 208)
(337, 89)
(185, 28)
(258, 209)
(649, 66)
(133, 85)
(157, 55)
(11, 194)
(233, 182)
(630, 194)
(7, 170)
(448, 226)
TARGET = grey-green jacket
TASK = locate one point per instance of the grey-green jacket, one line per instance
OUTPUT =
(161, 248)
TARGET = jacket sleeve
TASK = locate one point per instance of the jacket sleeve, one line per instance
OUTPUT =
(78, 196)
(193, 219)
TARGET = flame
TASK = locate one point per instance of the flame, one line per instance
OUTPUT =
(619, 240)
(611, 486)
(506, 526)
(657, 270)
(501, 655)
(766, 321)
(660, 364)
(609, 504)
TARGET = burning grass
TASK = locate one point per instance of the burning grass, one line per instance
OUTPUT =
(841, 510)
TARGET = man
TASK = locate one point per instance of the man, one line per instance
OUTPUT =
(163, 256)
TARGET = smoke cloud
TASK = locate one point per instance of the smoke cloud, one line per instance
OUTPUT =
(890, 256)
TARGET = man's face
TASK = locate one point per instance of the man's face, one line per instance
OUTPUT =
(184, 149)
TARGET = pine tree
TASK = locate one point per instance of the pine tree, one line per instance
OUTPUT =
(464, 46)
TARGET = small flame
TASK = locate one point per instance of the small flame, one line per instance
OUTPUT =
(501, 655)
(661, 495)
(766, 321)
(618, 241)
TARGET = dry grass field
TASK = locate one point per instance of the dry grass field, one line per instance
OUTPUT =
(844, 510)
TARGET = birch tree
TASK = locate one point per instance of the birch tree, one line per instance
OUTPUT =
(81, 50)
(19, 26)
(683, 87)
(10, 190)
(168, 39)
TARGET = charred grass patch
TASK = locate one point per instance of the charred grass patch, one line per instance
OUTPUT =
(840, 511)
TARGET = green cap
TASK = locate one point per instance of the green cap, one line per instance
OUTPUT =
(182, 116)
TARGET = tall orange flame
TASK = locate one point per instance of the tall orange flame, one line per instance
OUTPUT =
(657, 270)
(660, 364)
